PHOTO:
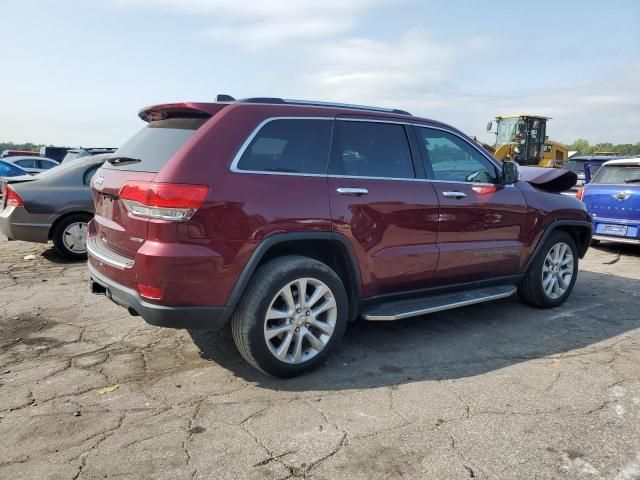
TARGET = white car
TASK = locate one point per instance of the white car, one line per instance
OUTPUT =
(32, 164)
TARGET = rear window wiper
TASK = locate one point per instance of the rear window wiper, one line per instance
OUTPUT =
(123, 160)
(632, 180)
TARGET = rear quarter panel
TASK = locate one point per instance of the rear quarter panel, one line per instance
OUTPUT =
(241, 209)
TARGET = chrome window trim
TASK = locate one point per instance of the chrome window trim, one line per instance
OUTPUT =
(234, 164)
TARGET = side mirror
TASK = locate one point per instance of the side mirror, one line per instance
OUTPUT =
(536, 124)
(489, 126)
(510, 173)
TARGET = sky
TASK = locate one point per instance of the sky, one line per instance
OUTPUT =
(76, 72)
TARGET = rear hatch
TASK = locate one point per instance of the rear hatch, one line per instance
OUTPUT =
(137, 160)
(614, 193)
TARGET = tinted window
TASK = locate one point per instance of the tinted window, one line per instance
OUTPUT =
(367, 149)
(156, 143)
(618, 174)
(71, 155)
(27, 163)
(90, 172)
(289, 146)
(46, 164)
(452, 159)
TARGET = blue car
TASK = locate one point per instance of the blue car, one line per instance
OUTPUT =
(576, 165)
(10, 170)
(612, 197)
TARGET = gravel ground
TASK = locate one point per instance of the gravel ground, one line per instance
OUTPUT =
(497, 390)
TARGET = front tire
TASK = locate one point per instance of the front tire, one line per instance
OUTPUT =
(70, 236)
(552, 274)
(292, 316)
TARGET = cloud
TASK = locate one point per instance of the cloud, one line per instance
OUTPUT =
(269, 23)
(441, 80)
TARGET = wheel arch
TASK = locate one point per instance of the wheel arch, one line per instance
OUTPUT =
(328, 247)
(580, 231)
(62, 217)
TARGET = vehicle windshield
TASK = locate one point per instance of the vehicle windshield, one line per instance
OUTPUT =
(618, 175)
(507, 128)
(577, 166)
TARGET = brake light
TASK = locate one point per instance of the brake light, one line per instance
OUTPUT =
(580, 193)
(164, 201)
(11, 198)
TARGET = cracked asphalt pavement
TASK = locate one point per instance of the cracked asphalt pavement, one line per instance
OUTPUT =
(492, 391)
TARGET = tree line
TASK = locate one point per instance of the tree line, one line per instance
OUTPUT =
(583, 148)
(32, 147)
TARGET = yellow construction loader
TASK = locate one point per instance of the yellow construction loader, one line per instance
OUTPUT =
(522, 139)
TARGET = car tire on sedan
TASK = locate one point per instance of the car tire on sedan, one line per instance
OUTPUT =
(70, 236)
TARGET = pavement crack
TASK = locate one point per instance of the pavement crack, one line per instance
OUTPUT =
(344, 441)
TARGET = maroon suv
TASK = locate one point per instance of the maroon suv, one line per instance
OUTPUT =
(291, 218)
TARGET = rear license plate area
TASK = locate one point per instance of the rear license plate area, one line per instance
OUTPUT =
(618, 230)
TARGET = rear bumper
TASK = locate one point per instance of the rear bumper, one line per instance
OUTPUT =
(18, 224)
(632, 227)
(192, 317)
(612, 238)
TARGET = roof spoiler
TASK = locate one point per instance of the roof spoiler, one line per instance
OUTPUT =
(185, 109)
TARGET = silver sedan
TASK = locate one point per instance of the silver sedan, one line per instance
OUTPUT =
(53, 205)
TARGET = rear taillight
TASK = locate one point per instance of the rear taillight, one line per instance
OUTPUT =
(580, 193)
(164, 201)
(11, 198)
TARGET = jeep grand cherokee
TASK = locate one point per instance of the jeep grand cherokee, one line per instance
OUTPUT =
(291, 218)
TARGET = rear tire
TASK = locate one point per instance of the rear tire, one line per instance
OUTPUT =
(552, 275)
(310, 326)
(70, 236)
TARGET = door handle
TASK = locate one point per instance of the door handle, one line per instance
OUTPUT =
(354, 192)
(454, 194)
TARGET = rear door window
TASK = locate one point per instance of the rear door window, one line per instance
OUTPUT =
(371, 149)
(156, 143)
(46, 164)
(289, 146)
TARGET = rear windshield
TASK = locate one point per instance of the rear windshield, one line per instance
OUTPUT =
(156, 143)
(71, 155)
(618, 174)
(575, 166)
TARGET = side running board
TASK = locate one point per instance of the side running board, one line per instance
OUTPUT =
(436, 303)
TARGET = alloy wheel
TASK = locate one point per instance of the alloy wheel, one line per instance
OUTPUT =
(300, 320)
(557, 270)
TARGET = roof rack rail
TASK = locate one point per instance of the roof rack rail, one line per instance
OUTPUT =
(311, 103)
